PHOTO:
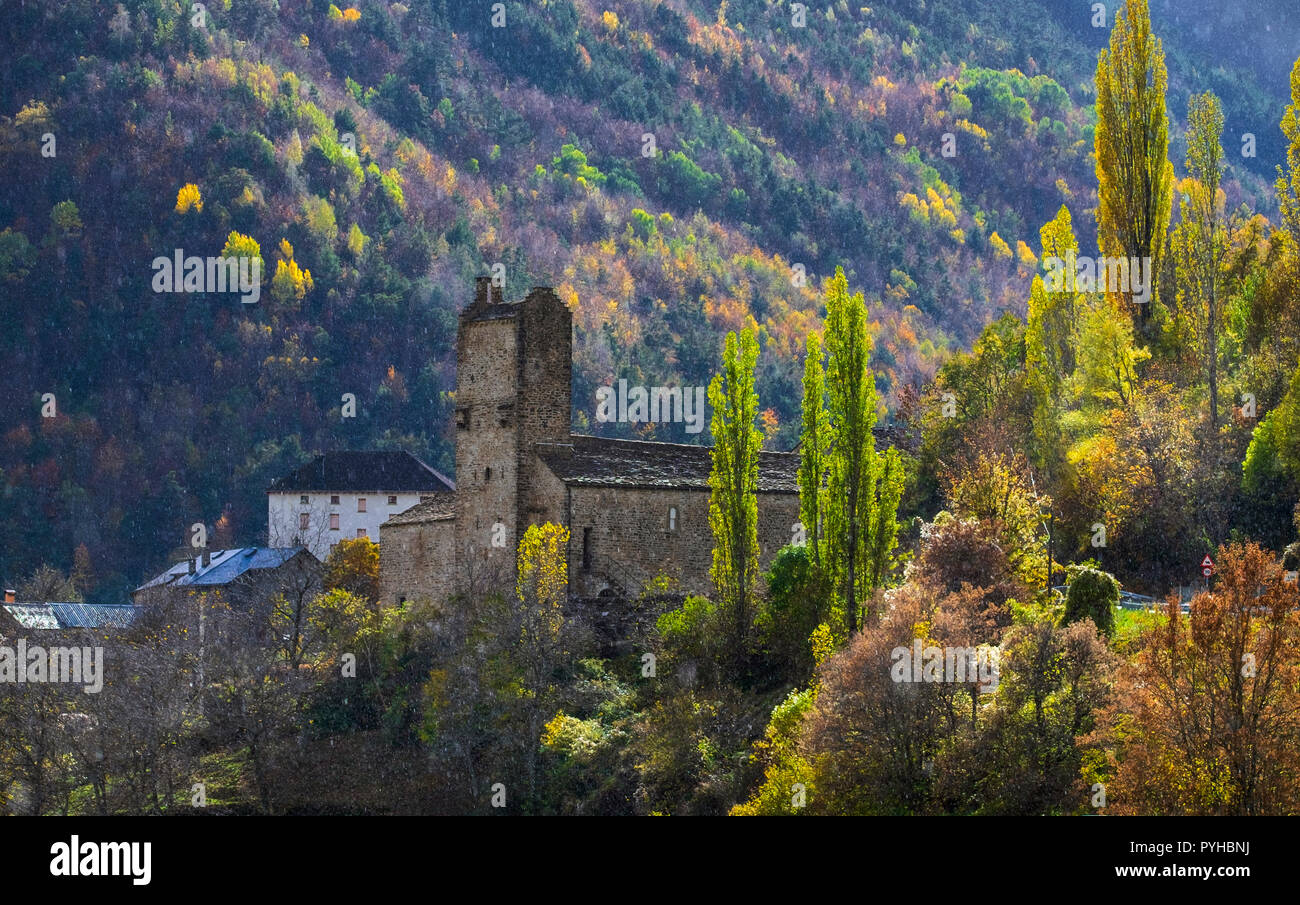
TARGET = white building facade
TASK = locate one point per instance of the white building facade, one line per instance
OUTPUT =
(346, 495)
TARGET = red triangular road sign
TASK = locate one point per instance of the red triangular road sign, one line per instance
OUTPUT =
(1207, 562)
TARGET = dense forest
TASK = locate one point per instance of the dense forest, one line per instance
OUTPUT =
(402, 149)
(837, 218)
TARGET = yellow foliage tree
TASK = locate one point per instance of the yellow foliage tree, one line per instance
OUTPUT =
(290, 280)
(188, 198)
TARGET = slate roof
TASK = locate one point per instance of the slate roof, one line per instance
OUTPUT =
(351, 471)
(72, 615)
(225, 567)
(435, 509)
(609, 462)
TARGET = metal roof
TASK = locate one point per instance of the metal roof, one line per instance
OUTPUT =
(224, 567)
(72, 615)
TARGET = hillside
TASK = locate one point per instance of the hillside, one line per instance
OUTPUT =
(525, 146)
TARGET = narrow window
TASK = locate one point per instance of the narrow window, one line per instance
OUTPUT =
(586, 549)
(303, 499)
(487, 475)
(392, 500)
(361, 532)
(462, 418)
(672, 518)
(334, 521)
(304, 520)
(361, 504)
(334, 500)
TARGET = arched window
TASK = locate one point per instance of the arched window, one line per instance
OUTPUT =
(672, 518)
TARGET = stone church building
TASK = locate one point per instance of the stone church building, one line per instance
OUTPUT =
(635, 510)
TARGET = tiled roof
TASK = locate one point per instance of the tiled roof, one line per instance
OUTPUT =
(350, 471)
(604, 461)
(224, 567)
(435, 509)
(72, 615)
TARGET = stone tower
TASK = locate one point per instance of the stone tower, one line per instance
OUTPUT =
(513, 384)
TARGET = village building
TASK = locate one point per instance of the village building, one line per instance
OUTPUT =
(346, 495)
(635, 510)
(245, 576)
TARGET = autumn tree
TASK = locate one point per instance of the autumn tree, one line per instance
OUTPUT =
(1208, 717)
(48, 585)
(541, 590)
(1199, 242)
(1134, 175)
(353, 566)
(1051, 335)
(189, 198)
(1288, 180)
(733, 484)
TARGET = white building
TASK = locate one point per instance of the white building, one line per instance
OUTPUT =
(346, 494)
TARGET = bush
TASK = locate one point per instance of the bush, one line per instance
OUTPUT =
(1092, 594)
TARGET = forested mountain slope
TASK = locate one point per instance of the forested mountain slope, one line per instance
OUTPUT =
(381, 155)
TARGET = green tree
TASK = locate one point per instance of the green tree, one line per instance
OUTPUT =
(1134, 175)
(1288, 180)
(733, 483)
(864, 487)
(1108, 354)
(814, 445)
(1200, 240)
(1092, 594)
(1051, 335)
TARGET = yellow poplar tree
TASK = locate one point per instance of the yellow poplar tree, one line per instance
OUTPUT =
(1134, 175)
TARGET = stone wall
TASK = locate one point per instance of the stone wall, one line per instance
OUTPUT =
(486, 439)
(416, 561)
(631, 540)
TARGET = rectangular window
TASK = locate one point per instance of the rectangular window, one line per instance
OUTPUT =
(334, 500)
(334, 521)
(586, 549)
(392, 501)
(304, 520)
(361, 532)
(303, 499)
(361, 504)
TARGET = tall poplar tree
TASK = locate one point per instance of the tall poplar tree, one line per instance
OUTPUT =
(864, 487)
(1288, 180)
(1051, 336)
(1200, 240)
(1134, 175)
(814, 445)
(733, 483)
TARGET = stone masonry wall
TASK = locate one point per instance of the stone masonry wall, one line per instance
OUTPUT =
(631, 543)
(416, 561)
